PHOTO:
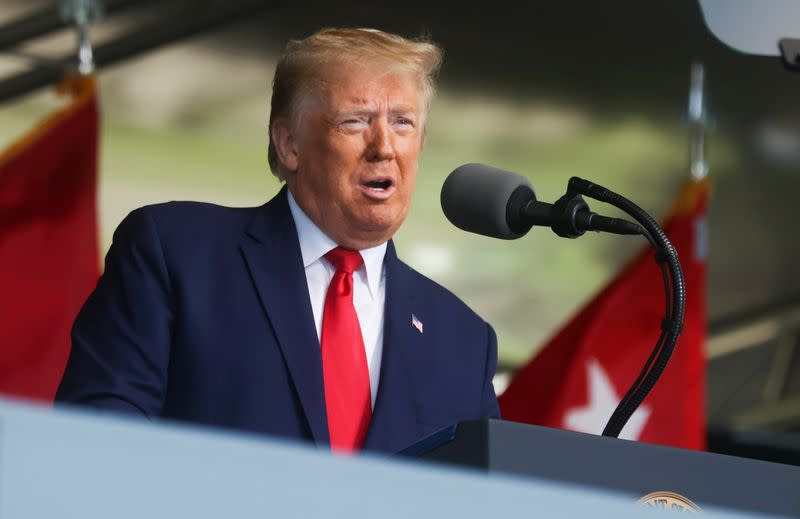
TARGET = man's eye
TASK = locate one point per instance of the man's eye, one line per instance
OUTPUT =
(404, 121)
(353, 122)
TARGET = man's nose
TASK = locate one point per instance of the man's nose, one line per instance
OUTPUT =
(381, 145)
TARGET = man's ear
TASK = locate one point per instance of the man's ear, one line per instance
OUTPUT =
(285, 144)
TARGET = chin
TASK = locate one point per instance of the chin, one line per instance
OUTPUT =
(379, 229)
(382, 217)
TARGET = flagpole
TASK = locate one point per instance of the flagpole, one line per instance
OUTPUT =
(81, 13)
(698, 123)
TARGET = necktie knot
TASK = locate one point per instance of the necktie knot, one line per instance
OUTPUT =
(345, 260)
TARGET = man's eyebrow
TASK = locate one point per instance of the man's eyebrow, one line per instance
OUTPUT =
(403, 109)
(362, 110)
(354, 111)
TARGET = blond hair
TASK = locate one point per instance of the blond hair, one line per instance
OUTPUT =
(302, 66)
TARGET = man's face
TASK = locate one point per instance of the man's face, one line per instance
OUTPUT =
(352, 159)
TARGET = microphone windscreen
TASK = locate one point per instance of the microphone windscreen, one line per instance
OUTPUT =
(475, 198)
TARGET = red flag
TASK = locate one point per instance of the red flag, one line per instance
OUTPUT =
(49, 258)
(578, 378)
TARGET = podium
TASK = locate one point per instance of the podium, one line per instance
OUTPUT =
(667, 475)
(80, 464)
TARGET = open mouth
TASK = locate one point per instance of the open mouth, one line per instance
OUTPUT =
(378, 185)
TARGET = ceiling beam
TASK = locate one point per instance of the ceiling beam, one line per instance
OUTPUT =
(47, 20)
(195, 19)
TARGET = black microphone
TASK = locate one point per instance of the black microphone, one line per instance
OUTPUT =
(493, 202)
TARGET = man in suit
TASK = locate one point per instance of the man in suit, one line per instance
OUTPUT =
(296, 318)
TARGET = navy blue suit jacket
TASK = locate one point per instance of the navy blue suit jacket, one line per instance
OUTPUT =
(203, 315)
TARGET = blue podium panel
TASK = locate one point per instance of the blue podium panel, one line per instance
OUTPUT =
(71, 464)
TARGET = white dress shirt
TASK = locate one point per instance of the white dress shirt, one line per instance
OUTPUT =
(369, 287)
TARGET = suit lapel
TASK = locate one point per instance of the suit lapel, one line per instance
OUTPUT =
(272, 253)
(394, 418)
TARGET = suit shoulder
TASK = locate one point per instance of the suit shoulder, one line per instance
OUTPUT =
(189, 218)
(172, 214)
(185, 225)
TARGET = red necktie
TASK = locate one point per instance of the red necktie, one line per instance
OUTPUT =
(344, 361)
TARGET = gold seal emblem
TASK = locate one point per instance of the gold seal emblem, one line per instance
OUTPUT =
(669, 501)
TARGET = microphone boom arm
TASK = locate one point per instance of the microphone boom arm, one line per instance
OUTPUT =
(675, 288)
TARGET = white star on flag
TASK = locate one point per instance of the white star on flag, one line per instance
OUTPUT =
(602, 402)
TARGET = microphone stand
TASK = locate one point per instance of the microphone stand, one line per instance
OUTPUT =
(674, 288)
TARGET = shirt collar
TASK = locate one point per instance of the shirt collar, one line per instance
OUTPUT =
(314, 244)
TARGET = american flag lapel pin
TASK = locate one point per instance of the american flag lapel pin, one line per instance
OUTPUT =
(416, 323)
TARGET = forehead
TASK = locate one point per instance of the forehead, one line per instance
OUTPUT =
(367, 85)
